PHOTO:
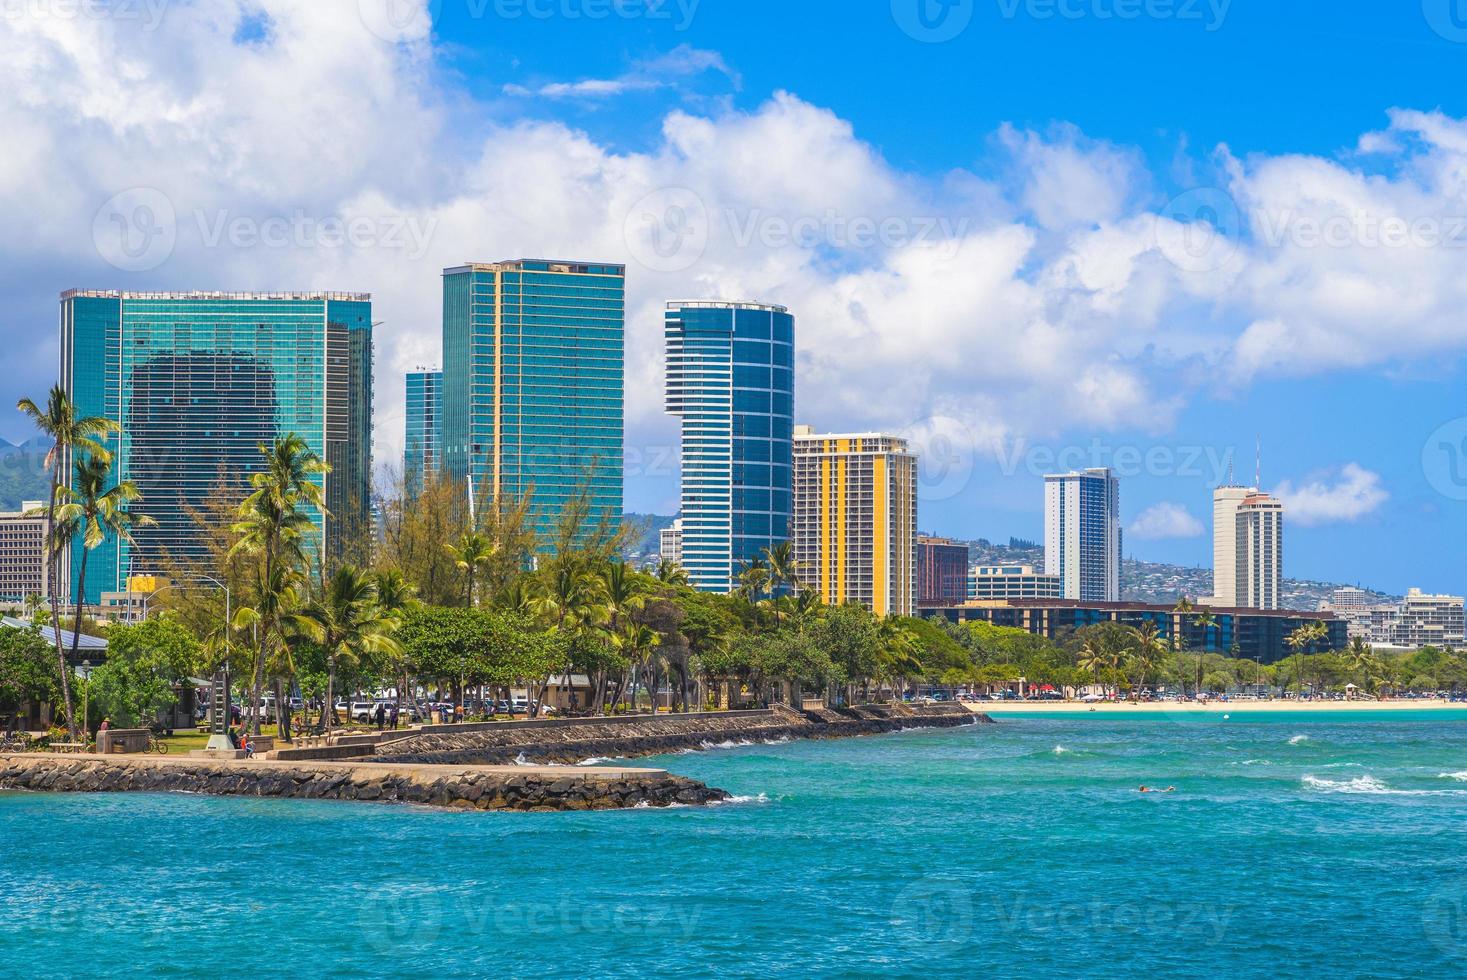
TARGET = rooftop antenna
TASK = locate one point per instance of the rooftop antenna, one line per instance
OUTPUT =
(1232, 481)
(1258, 466)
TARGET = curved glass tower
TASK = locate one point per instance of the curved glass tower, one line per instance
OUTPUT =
(730, 378)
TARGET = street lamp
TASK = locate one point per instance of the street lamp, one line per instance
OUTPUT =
(222, 741)
(86, 669)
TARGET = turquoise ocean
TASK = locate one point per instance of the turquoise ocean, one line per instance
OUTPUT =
(1327, 845)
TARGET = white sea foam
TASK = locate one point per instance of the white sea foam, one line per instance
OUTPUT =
(1370, 786)
(596, 760)
(1297, 739)
(1255, 762)
(729, 744)
(1061, 750)
(1460, 777)
(520, 760)
(761, 798)
(1360, 784)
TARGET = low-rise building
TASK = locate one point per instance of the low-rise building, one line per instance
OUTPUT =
(1248, 634)
(991, 583)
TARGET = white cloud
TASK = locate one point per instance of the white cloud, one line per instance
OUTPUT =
(663, 71)
(1164, 520)
(1339, 496)
(1032, 299)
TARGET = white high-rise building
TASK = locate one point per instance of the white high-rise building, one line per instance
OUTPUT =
(1082, 534)
(1247, 548)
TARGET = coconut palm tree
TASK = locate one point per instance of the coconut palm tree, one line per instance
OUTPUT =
(1150, 648)
(571, 598)
(348, 623)
(638, 643)
(472, 552)
(784, 568)
(1206, 622)
(275, 524)
(395, 595)
(1302, 639)
(1094, 658)
(671, 573)
(754, 581)
(92, 511)
(68, 435)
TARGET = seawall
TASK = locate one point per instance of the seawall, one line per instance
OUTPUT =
(565, 741)
(462, 787)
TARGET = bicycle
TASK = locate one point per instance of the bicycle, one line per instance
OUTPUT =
(156, 745)
(16, 742)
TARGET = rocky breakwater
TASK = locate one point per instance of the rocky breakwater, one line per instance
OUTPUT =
(564, 741)
(461, 787)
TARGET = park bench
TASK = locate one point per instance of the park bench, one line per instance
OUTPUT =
(68, 746)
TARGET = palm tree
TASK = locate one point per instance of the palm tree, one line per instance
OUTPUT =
(897, 652)
(1094, 658)
(1206, 622)
(395, 596)
(275, 523)
(1301, 639)
(754, 581)
(625, 595)
(571, 598)
(638, 643)
(1150, 647)
(94, 512)
(348, 623)
(473, 551)
(671, 573)
(68, 435)
(784, 568)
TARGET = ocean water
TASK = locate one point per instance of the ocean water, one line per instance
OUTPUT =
(1317, 846)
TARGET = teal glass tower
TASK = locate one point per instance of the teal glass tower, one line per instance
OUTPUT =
(730, 378)
(534, 356)
(424, 429)
(197, 382)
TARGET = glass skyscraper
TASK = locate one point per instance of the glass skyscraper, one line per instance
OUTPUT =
(198, 381)
(730, 378)
(421, 454)
(534, 357)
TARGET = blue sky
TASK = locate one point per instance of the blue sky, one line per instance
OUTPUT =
(1068, 154)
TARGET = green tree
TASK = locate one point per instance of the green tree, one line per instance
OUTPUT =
(275, 526)
(93, 512)
(349, 625)
(26, 672)
(472, 552)
(69, 435)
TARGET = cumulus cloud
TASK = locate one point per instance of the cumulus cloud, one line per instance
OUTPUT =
(663, 71)
(1047, 292)
(1339, 496)
(1164, 520)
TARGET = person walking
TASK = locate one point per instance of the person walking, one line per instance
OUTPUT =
(381, 715)
(392, 716)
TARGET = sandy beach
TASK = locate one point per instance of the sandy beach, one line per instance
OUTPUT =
(1213, 707)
